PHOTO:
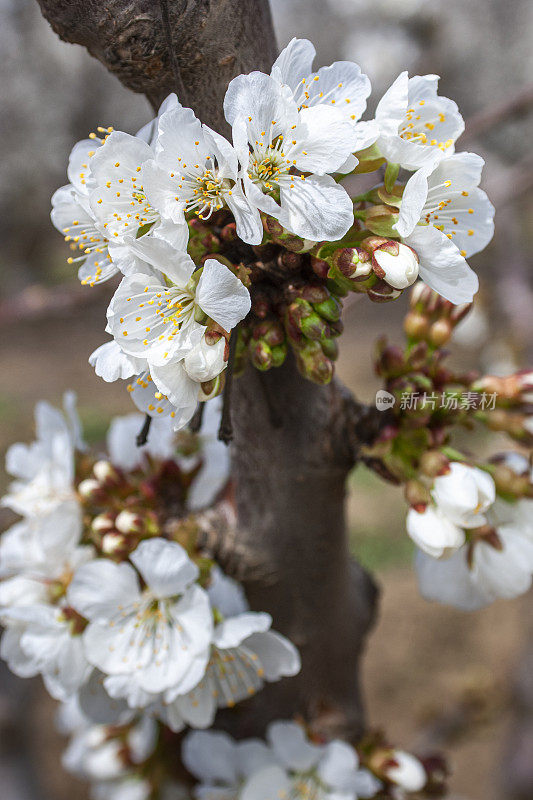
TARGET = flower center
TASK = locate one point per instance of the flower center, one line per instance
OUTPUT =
(419, 126)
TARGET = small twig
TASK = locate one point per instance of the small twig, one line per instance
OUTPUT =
(165, 17)
(225, 431)
(196, 422)
(142, 436)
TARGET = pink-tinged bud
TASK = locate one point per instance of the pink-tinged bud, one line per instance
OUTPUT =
(416, 325)
(390, 360)
(228, 233)
(352, 263)
(271, 331)
(319, 267)
(260, 355)
(92, 491)
(290, 261)
(314, 293)
(417, 495)
(261, 304)
(440, 332)
(117, 545)
(130, 522)
(434, 463)
(313, 364)
(103, 523)
(106, 473)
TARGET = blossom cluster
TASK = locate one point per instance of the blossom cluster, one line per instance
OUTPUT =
(472, 521)
(203, 229)
(140, 634)
(103, 601)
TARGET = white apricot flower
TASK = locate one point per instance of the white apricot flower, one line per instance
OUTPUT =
(417, 126)
(221, 764)
(244, 654)
(433, 532)
(304, 769)
(156, 638)
(445, 217)
(196, 170)
(43, 633)
(44, 470)
(156, 318)
(485, 568)
(73, 216)
(286, 155)
(406, 771)
(341, 85)
(463, 495)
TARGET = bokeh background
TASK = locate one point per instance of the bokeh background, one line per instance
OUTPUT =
(434, 677)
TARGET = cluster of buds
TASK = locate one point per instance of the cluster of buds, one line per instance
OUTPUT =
(431, 318)
(121, 508)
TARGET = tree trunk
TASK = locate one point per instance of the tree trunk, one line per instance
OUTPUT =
(289, 546)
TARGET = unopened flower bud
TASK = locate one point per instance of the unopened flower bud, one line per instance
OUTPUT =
(260, 354)
(330, 348)
(211, 388)
(440, 332)
(416, 325)
(352, 263)
(313, 364)
(129, 522)
(279, 354)
(433, 463)
(284, 237)
(92, 491)
(229, 232)
(103, 523)
(383, 292)
(106, 473)
(116, 544)
(289, 260)
(319, 267)
(417, 495)
(380, 220)
(396, 263)
(329, 309)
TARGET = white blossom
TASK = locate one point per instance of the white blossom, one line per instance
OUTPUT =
(463, 495)
(445, 217)
(197, 170)
(433, 532)
(417, 126)
(483, 570)
(154, 639)
(341, 85)
(303, 769)
(397, 264)
(44, 470)
(277, 143)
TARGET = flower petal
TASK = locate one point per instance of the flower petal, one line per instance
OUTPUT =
(222, 295)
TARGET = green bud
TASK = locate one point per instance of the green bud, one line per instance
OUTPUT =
(330, 309)
(313, 364)
(330, 348)
(314, 327)
(260, 355)
(279, 354)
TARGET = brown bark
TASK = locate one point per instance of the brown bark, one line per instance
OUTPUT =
(289, 544)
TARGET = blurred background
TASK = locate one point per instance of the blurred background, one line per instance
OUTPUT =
(434, 677)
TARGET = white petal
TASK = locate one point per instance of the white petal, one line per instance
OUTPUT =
(205, 361)
(449, 581)
(441, 265)
(210, 756)
(268, 784)
(324, 139)
(98, 588)
(412, 203)
(247, 218)
(391, 108)
(232, 632)
(174, 382)
(279, 657)
(261, 98)
(222, 295)
(434, 533)
(165, 567)
(294, 63)
(112, 364)
(289, 742)
(316, 208)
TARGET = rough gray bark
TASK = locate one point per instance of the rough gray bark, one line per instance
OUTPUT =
(289, 544)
